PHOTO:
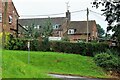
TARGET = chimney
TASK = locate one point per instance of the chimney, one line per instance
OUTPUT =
(68, 15)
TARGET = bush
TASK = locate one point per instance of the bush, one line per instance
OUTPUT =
(37, 45)
(16, 44)
(108, 61)
(21, 44)
(87, 49)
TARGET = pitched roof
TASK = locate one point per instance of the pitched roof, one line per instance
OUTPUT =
(81, 26)
(15, 9)
(41, 21)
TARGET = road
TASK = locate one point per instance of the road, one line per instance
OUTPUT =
(66, 77)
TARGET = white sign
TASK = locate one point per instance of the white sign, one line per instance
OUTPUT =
(28, 44)
(54, 38)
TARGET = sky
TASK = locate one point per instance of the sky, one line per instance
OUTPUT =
(45, 7)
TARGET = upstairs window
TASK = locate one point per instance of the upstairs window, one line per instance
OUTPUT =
(56, 26)
(71, 31)
(0, 17)
(10, 19)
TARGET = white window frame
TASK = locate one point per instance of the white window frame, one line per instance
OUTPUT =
(71, 31)
(0, 17)
(56, 26)
(10, 19)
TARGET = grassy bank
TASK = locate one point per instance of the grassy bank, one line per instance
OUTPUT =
(41, 63)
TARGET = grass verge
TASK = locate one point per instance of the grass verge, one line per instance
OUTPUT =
(15, 65)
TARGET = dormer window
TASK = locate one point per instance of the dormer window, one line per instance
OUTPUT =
(56, 26)
(71, 31)
(0, 17)
(10, 19)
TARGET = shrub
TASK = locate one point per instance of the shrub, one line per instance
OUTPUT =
(87, 49)
(16, 44)
(108, 61)
(37, 45)
(21, 44)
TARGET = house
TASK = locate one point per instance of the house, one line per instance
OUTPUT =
(63, 26)
(0, 15)
(58, 24)
(77, 30)
(8, 17)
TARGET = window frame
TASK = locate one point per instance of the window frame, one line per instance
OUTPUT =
(10, 19)
(71, 31)
(0, 17)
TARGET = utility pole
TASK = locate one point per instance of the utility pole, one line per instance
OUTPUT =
(87, 25)
(4, 24)
(67, 17)
(67, 4)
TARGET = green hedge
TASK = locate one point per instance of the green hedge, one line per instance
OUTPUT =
(16, 44)
(88, 49)
(21, 44)
(37, 45)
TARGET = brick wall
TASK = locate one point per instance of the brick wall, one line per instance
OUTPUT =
(1, 13)
(77, 37)
(94, 32)
(11, 12)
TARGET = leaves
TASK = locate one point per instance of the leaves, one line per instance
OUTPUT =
(101, 31)
(112, 13)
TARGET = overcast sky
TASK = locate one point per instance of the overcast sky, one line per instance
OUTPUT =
(45, 7)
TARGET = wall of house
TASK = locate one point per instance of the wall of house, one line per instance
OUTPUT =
(57, 33)
(77, 37)
(7, 26)
(0, 13)
(94, 32)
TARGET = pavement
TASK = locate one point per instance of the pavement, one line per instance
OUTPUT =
(67, 77)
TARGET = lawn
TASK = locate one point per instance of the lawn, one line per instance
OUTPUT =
(15, 65)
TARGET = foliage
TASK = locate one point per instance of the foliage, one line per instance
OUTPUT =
(32, 32)
(101, 31)
(42, 63)
(21, 44)
(37, 45)
(47, 29)
(87, 49)
(16, 44)
(6, 38)
(112, 13)
(108, 61)
(65, 38)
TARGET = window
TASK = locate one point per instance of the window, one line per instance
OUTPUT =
(56, 26)
(71, 31)
(0, 17)
(38, 26)
(10, 19)
(93, 33)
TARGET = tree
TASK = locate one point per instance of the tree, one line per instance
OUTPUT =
(112, 13)
(48, 28)
(33, 31)
(37, 31)
(101, 31)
